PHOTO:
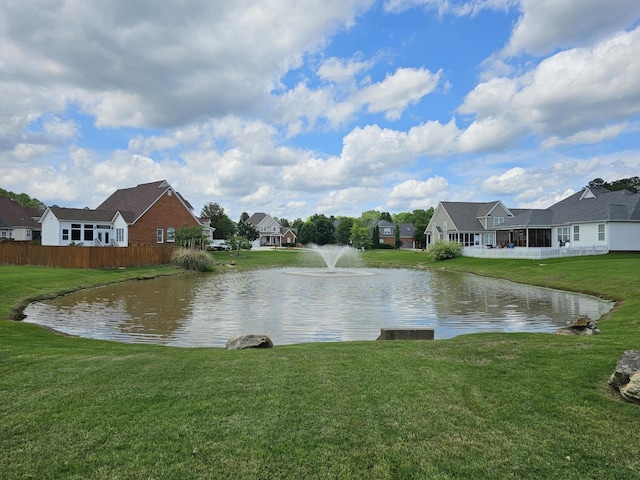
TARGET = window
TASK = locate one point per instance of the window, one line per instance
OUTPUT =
(497, 221)
(65, 234)
(171, 234)
(88, 233)
(601, 232)
(445, 227)
(159, 235)
(263, 229)
(563, 235)
(387, 231)
(76, 232)
(576, 233)
(119, 235)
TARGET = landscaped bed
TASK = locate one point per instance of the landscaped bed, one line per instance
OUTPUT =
(476, 406)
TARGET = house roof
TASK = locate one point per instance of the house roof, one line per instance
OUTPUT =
(589, 205)
(83, 214)
(256, 218)
(465, 215)
(133, 202)
(12, 214)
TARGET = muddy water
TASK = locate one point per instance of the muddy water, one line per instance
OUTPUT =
(208, 309)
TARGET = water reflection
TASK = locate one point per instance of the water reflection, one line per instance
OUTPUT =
(207, 310)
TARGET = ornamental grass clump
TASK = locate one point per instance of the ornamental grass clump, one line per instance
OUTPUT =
(190, 259)
(445, 250)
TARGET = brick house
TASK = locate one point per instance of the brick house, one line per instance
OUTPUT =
(147, 214)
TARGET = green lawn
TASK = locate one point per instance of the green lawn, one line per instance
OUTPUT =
(477, 406)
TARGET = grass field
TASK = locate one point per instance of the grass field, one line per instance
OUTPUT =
(482, 406)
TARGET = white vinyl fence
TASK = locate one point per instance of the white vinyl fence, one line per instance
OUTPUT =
(540, 253)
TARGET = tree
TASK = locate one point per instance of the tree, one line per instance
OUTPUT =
(23, 199)
(375, 240)
(632, 184)
(244, 217)
(398, 242)
(343, 232)
(370, 217)
(219, 220)
(248, 231)
(318, 229)
(386, 216)
(191, 236)
(360, 235)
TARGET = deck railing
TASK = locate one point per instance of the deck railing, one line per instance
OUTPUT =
(534, 253)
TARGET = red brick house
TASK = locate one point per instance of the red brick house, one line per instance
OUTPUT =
(147, 214)
(154, 211)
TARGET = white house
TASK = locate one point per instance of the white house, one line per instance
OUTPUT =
(66, 226)
(594, 220)
(271, 232)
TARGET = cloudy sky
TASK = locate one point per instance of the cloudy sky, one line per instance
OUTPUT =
(296, 107)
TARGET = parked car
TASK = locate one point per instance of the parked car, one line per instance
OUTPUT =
(220, 245)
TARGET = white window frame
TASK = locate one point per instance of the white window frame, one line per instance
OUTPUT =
(171, 235)
(159, 235)
(601, 232)
(120, 235)
(497, 221)
(564, 234)
(576, 233)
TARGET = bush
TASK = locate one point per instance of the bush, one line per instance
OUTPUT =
(190, 259)
(444, 250)
(385, 246)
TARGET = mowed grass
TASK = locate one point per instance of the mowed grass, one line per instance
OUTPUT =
(477, 406)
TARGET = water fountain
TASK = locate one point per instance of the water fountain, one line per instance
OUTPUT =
(331, 255)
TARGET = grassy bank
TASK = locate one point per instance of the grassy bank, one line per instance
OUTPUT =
(476, 406)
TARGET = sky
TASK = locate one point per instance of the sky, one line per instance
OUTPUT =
(336, 107)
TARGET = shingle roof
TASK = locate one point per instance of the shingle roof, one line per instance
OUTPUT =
(83, 214)
(465, 214)
(12, 214)
(590, 205)
(256, 218)
(136, 200)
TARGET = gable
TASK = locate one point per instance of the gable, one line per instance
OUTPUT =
(134, 202)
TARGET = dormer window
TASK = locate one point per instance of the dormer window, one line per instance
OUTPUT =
(497, 221)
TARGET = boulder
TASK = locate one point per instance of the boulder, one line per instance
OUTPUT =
(582, 325)
(631, 391)
(626, 377)
(249, 341)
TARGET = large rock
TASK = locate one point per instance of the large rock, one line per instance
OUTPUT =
(626, 377)
(249, 341)
(580, 326)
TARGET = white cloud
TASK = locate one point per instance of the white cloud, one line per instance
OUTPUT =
(582, 89)
(397, 91)
(340, 71)
(414, 194)
(452, 7)
(585, 137)
(549, 24)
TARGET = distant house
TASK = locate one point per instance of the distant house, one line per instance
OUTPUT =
(387, 233)
(17, 222)
(148, 214)
(594, 220)
(470, 223)
(271, 232)
(593, 217)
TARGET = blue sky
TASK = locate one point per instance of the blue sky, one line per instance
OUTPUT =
(336, 107)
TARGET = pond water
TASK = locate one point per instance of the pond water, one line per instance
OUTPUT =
(298, 305)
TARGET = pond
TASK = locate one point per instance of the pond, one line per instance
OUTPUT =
(298, 306)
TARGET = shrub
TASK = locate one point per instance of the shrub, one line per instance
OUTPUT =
(190, 259)
(444, 250)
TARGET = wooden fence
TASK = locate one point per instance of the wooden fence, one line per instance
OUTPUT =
(19, 253)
